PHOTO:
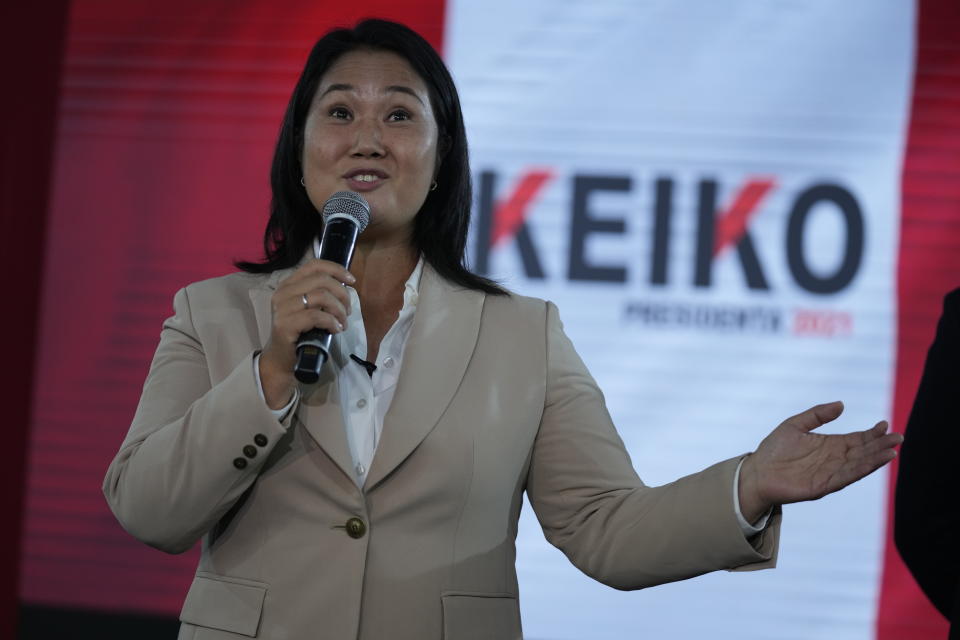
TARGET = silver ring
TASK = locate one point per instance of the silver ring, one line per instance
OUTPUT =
(306, 304)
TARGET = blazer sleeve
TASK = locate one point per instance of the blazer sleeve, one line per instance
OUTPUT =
(593, 506)
(183, 463)
(926, 513)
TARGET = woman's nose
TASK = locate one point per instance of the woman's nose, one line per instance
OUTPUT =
(368, 141)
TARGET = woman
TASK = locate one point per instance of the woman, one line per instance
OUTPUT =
(382, 502)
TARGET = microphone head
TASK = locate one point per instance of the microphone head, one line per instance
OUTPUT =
(349, 205)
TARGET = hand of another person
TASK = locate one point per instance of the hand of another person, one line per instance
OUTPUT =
(793, 464)
(321, 284)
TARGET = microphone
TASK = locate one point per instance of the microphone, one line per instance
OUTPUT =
(345, 216)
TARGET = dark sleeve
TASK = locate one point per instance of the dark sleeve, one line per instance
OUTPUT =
(927, 508)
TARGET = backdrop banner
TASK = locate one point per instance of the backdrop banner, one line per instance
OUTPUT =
(710, 194)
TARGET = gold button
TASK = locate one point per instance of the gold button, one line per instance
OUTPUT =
(356, 528)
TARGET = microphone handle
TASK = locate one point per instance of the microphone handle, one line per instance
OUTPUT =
(313, 346)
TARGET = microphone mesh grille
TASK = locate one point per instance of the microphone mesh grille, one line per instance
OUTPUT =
(350, 204)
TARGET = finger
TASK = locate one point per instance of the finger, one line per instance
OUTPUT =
(314, 300)
(874, 459)
(861, 468)
(816, 416)
(324, 320)
(863, 459)
(325, 300)
(313, 268)
(876, 436)
(307, 319)
(327, 267)
(340, 292)
(875, 450)
(292, 295)
(886, 437)
(883, 428)
(872, 440)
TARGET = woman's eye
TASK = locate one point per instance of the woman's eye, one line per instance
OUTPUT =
(399, 115)
(340, 113)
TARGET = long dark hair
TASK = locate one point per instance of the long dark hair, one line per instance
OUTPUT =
(441, 226)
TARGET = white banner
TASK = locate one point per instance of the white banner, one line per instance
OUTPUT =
(710, 193)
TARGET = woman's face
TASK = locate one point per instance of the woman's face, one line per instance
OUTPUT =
(371, 129)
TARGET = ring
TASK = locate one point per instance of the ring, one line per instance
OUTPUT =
(306, 304)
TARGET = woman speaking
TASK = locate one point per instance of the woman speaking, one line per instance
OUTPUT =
(382, 501)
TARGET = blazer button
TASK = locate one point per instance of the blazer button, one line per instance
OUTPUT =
(250, 451)
(356, 528)
(260, 439)
(239, 463)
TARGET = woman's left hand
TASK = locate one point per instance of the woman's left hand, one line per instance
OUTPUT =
(793, 464)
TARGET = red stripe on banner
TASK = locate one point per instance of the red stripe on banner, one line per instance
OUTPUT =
(929, 267)
(168, 116)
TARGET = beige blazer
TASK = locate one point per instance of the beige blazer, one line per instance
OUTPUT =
(492, 401)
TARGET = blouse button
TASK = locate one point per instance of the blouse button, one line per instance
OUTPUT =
(388, 362)
(361, 403)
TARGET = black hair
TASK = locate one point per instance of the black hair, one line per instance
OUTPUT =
(441, 226)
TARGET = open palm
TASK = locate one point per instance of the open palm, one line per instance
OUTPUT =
(793, 464)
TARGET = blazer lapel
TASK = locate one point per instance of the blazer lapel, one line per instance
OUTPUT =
(441, 342)
(319, 408)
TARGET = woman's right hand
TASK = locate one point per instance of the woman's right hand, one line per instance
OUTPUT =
(321, 283)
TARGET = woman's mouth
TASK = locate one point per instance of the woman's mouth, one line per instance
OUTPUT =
(365, 179)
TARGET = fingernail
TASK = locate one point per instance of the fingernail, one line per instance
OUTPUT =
(350, 278)
(339, 327)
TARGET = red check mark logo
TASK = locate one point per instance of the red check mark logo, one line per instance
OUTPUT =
(509, 214)
(732, 222)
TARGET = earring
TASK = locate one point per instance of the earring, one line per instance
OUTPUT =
(302, 183)
(433, 187)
